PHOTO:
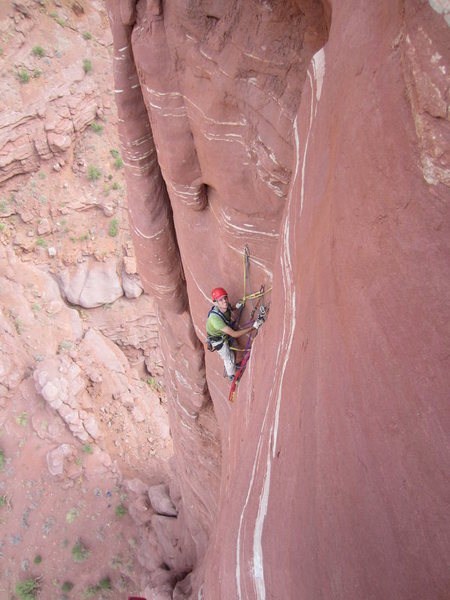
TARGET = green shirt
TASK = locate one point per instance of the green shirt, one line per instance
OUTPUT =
(215, 324)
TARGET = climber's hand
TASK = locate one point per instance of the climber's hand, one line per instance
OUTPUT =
(239, 304)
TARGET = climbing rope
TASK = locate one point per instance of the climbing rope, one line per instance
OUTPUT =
(256, 302)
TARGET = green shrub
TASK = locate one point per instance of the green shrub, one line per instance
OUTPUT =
(104, 584)
(37, 559)
(41, 242)
(38, 51)
(36, 73)
(72, 515)
(22, 419)
(93, 173)
(67, 586)
(96, 127)
(2, 460)
(2, 227)
(114, 153)
(87, 65)
(28, 589)
(87, 35)
(23, 76)
(118, 163)
(113, 227)
(88, 449)
(115, 186)
(93, 590)
(120, 511)
(79, 552)
(60, 21)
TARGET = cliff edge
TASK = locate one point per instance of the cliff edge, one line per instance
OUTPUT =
(318, 135)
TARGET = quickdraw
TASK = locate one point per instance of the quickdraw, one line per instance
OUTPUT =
(263, 311)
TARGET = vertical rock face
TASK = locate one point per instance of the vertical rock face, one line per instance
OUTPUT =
(318, 135)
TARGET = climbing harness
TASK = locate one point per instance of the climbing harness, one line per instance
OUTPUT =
(216, 342)
(256, 299)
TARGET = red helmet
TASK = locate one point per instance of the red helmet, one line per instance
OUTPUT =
(218, 293)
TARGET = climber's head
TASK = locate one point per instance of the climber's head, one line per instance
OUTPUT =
(220, 298)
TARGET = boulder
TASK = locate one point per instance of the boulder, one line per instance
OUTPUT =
(91, 284)
(160, 501)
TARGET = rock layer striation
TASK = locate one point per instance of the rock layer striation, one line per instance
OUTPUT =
(317, 134)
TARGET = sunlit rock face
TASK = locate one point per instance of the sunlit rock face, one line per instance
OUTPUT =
(317, 135)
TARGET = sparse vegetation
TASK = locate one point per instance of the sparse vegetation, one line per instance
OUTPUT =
(113, 227)
(28, 589)
(114, 153)
(65, 345)
(23, 75)
(42, 175)
(84, 237)
(67, 586)
(103, 585)
(41, 242)
(120, 511)
(87, 65)
(35, 307)
(38, 51)
(87, 35)
(58, 19)
(2, 461)
(22, 419)
(18, 325)
(79, 552)
(115, 186)
(3, 206)
(2, 227)
(97, 128)
(93, 173)
(72, 515)
(88, 449)
(37, 559)
(118, 163)
(36, 73)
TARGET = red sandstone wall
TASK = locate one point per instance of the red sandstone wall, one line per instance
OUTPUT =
(325, 479)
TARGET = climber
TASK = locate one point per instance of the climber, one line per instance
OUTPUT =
(221, 328)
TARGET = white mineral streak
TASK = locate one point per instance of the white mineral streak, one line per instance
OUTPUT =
(242, 123)
(442, 7)
(188, 198)
(206, 296)
(265, 60)
(219, 393)
(257, 562)
(225, 220)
